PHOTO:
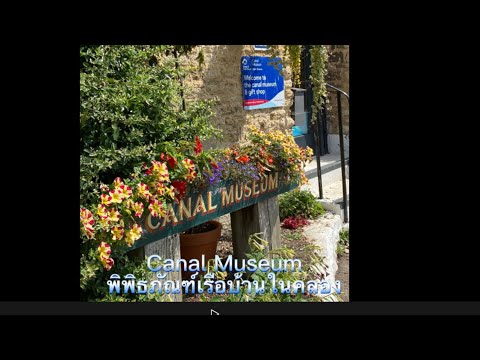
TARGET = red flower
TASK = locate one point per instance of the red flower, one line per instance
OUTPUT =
(294, 222)
(171, 161)
(214, 165)
(198, 147)
(180, 188)
(270, 160)
(243, 159)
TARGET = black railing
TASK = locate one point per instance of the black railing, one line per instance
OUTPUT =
(342, 148)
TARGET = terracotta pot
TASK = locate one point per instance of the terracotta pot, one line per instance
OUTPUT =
(193, 246)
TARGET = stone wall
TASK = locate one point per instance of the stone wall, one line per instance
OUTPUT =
(220, 78)
(338, 75)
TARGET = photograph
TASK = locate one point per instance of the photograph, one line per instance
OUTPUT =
(214, 173)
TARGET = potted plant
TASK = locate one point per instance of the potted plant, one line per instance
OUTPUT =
(200, 240)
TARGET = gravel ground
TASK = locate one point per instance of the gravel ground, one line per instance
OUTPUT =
(343, 275)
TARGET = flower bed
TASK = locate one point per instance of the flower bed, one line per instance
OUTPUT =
(186, 186)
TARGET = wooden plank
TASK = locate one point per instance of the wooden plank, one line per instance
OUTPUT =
(167, 248)
(269, 221)
(243, 225)
(261, 217)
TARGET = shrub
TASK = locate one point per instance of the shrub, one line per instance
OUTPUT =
(299, 203)
(131, 111)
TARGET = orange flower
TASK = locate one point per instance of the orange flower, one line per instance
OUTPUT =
(243, 159)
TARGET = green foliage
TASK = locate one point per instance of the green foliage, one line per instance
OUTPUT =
(294, 52)
(293, 235)
(308, 272)
(299, 203)
(344, 242)
(131, 109)
(93, 280)
(318, 67)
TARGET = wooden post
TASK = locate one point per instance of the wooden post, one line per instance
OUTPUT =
(166, 248)
(261, 217)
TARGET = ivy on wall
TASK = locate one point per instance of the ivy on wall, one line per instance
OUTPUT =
(318, 69)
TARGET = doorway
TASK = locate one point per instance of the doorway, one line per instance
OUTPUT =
(302, 109)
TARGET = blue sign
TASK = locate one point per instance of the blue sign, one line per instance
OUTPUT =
(262, 82)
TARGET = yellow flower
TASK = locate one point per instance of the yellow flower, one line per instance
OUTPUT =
(104, 249)
(107, 262)
(133, 234)
(170, 191)
(104, 222)
(138, 208)
(88, 231)
(143, 191)
(160, 170)
(118, 183)
(117, 232)
(117, 196)
(113, 215)
(156, 208)
(126, 191)
(106, 199)
(102, 210)
(129, 204)
(160, 189)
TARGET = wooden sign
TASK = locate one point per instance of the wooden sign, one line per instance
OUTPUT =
(196, 208)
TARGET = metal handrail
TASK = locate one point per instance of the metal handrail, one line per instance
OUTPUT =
(337, 89)
(342, 151)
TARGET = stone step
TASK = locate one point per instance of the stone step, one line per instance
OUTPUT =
(325, 168)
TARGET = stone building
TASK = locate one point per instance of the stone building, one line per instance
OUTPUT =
(220, 78)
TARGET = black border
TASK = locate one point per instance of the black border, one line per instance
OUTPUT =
(352, 308)
(373, 74)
